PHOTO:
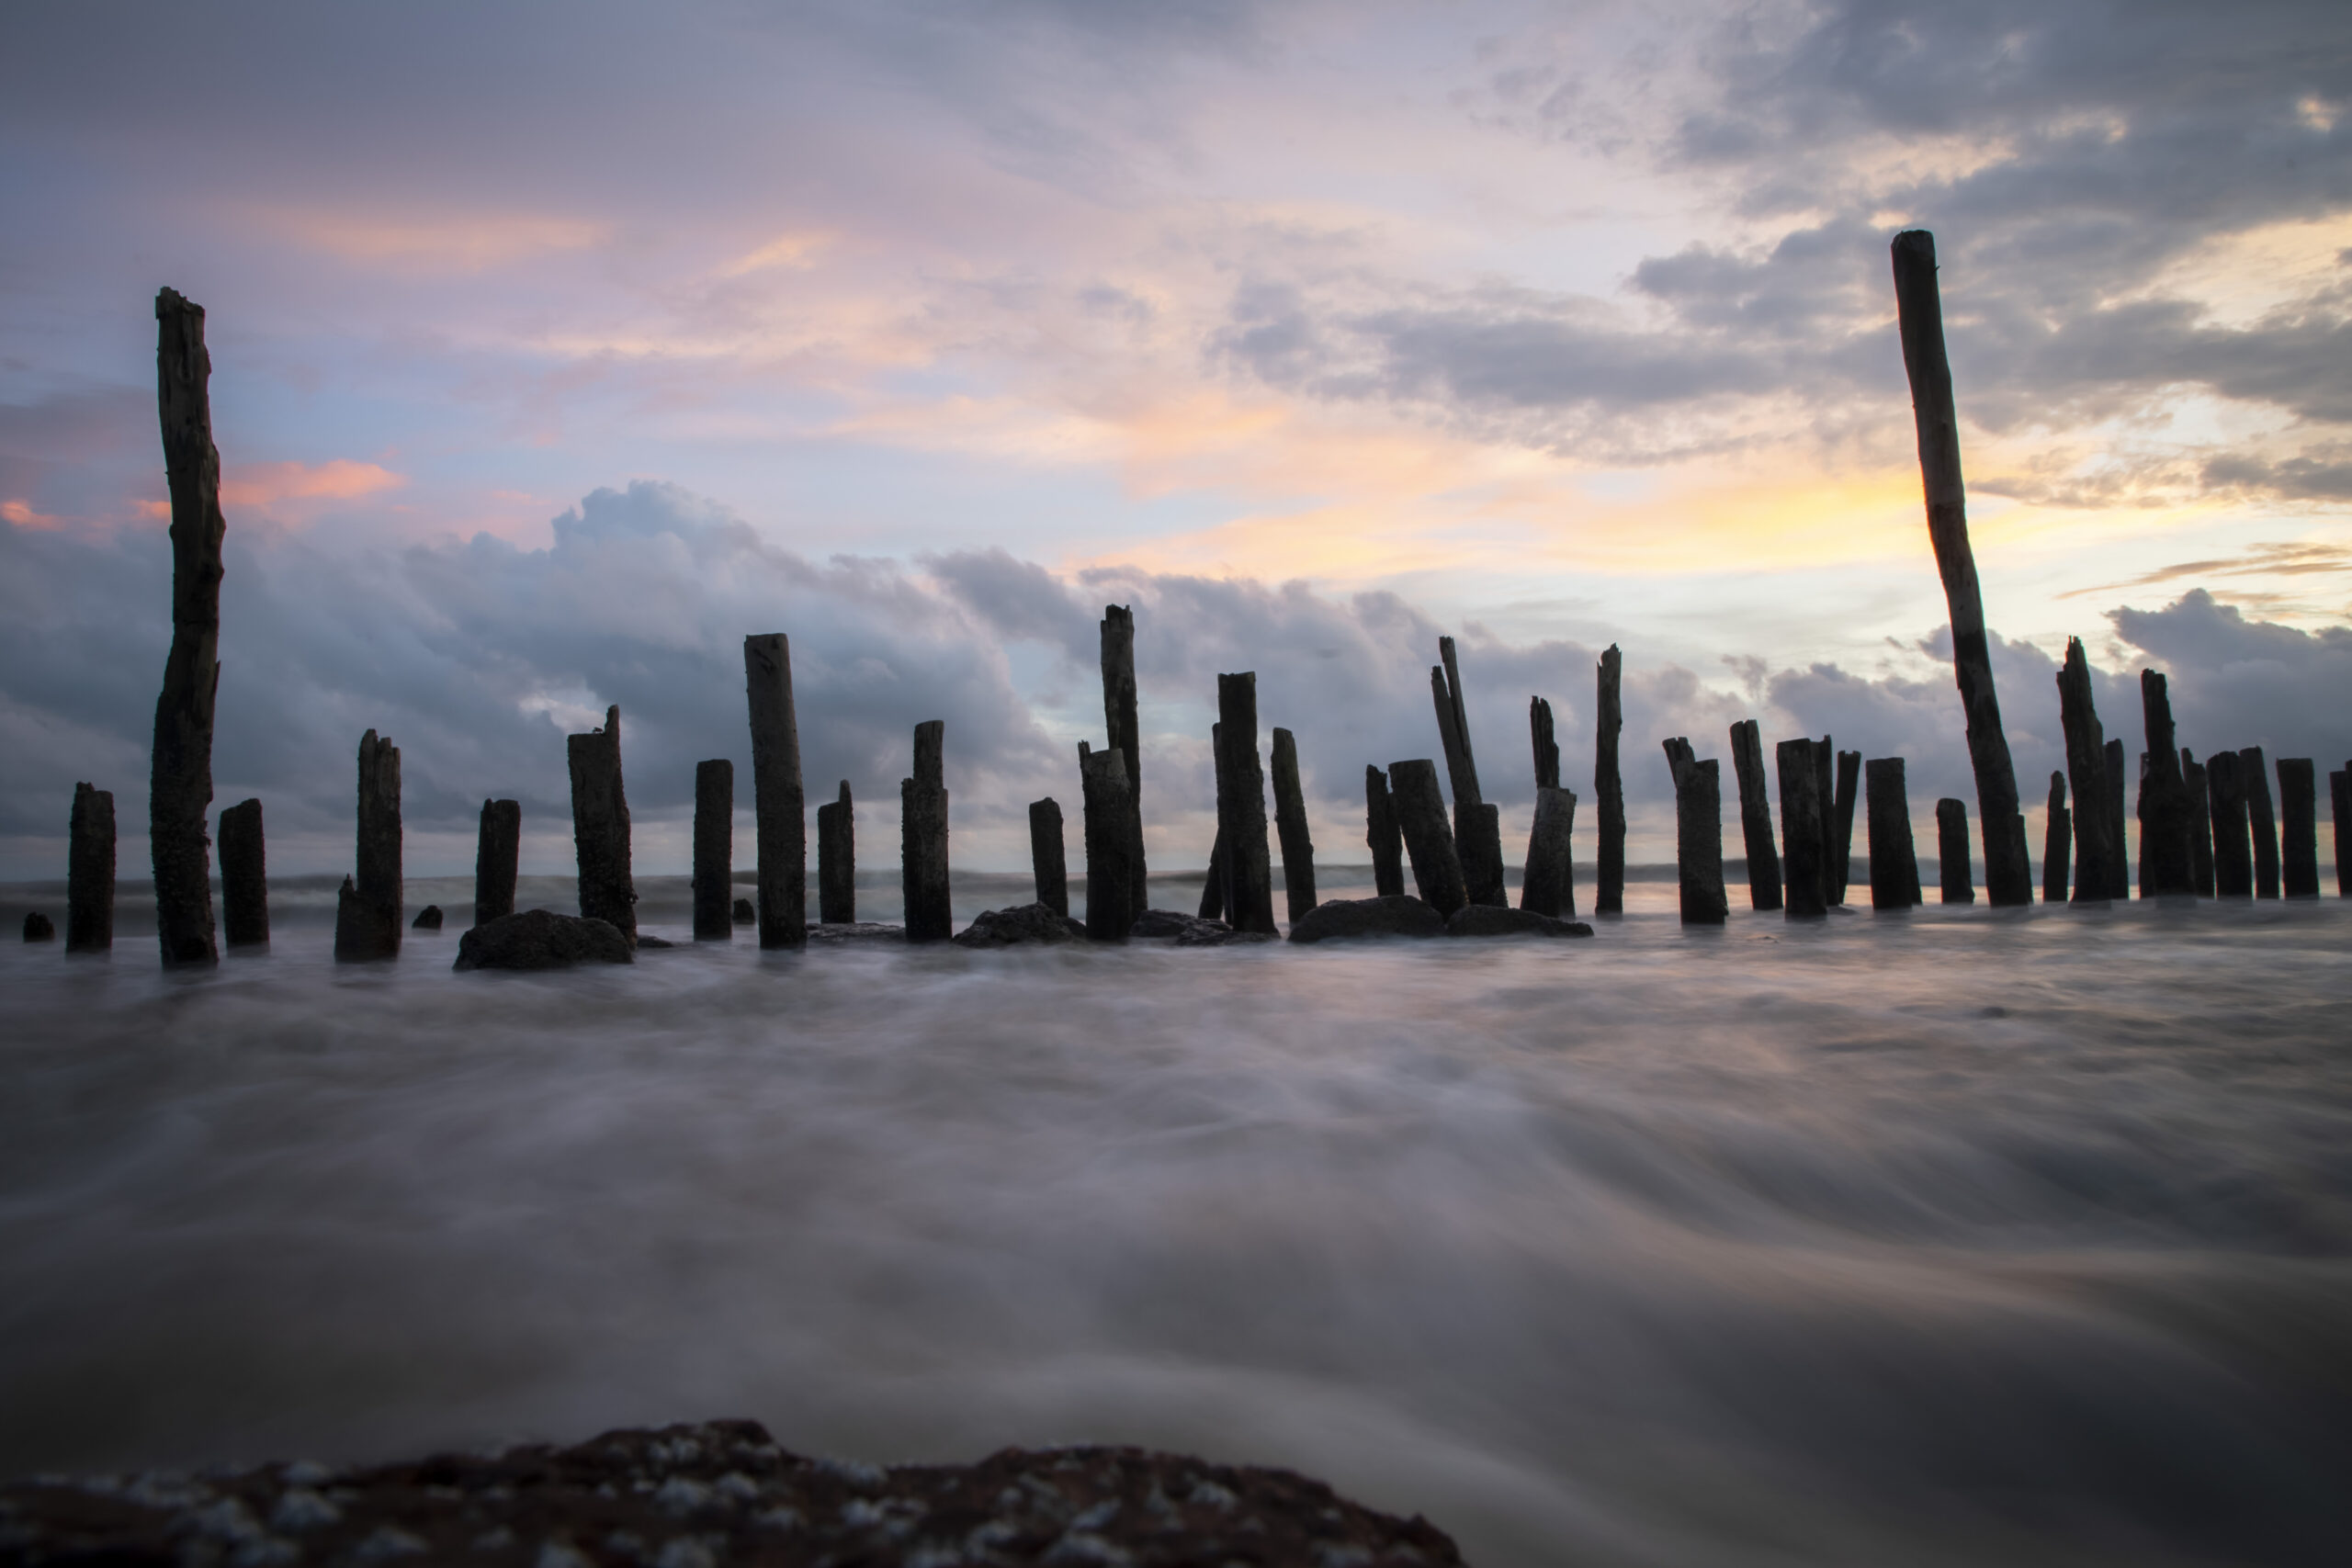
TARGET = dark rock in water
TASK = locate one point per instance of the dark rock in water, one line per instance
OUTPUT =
(427, 919)
(1216, 933)
(1486, 919)
(1175, 923)
(744, 914)
(1029, 922)
(644, 941)
(541, 939)
(720, 1492)
(37, 927)
(844, 932)
(1398, 914)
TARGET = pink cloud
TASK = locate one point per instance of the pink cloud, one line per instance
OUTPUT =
(263, 486)
(22, 514)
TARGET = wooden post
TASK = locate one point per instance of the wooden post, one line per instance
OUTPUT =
(2200, 822)
(1213, 892)
(1824, 792)
(1110, 864)
(2232, 853)
(1920, 310)
(1609, 787)
(2119, 864)
(1798, 765)
(1241, 807)
(179, 791)
(2339, 806)
(1952, 876)
(1381, 832)
(2095, 833)
(600, 827)
(1549, 886)
(1290, 828)
(714, 864)
(1698, 834)
(1421, 816)
(922, 837)
(1841, 836)
(368, 907)
(2253, 780)
(1895, 865)
(2166, 820)
(2297, 829)
(89, 871)
(1118, 629)
(1479, 846)
(780, 826)
(1045, 855)
(2057, 843)
(244, 877)
(497, 858)
(1756, 817)
(1547, 748)
(837, 860)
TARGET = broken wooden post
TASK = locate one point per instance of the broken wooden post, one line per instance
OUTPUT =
(1110, 849)
(1241, 807)
(922, 837)
(2201, 823)
(2166, 818)
(2254, 781)
(2233, 852)
(1841, 833)
(1798, 765)
(2095, 834)
(1756, 817)
(244, 877)
(497, 857)
(1045, 855)
(1548, 886)
(600, 837)
(1952, 877)
(1290, 828)
(779, 822)
(2119, 864)
(2297, 829)
(1919, 311)
(1428, 842)
(89, 871)
(1823, 788)
(368, 907)
(1213, 890)
(1895, 865)
(1479, 845)
(1118, 629)
(1608, 786)
(2057, 842)
(179, 791)
(1698, 834)
(714, 863)
(1547, 746)
(837, 860)
(1381, 832)
(2339, 806)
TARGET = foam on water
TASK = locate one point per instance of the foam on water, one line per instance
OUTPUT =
(1946, 1238)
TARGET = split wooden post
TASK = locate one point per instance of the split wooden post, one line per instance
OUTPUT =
(1919, 311)
(179, 791)
(2254, 778)
(1290, 828)
(1381, 833)
(922, 837)
(1841, 836)
(1110, 853)
(1755, 817)
(780, 826)
(837, 860)
(368, 922)
(1241, 807)
(1608, 786)
(1477, 840)
(1954, 883)
(2119, 864)
(2200, 822)
(2167, 822)
(600, 837)
(2297, 829)
(89, 871)
(1798, 765)
(1428, 842)
(498, 851)
(1047, 859)
(1824, 789)
(1698, 834)
(1213, 889)
(2057, 843)
(2339, 805)
(1118, 629)
(1549, 887)
(1894, 864)
(2095, 834)
(2233, 852)
(2140, 814)
(244, 877)
(1547, 746)
(714, 866)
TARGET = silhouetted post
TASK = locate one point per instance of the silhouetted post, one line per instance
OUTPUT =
(2165, 823)
(2095, 834)
(1421, 816)
(1110, 865)
(1609, 787)
(600, 827)
(1756, 817)
(1952, 876)
(1479, 846)
(1045, 855)
(714, 864)
(2140, 813)
(180, 790)
(780, 827)
(89, 871)
(1381, 832)
(2119, 865)
(837, 860)
(922, 837)
(1241, 807)
(1290, 828)
(244, 877)
(1547, 748)
(1841, 835)
(497, 858)
(368, 907)
(1825, 817)
(1895, 865)
(2200, 822)
(2232, 853)
(2057, 843)
(1920, 310)
(2339, 805)
(1797, 763)
(1118, 629)
(1213, 892)
(1549, 887)
(2254, 778)
(2297, 829)
(1698, 834)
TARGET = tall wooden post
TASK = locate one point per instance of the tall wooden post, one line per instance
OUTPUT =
(780, 826)
(2254, 778)
(2339, 805)
(837, 860)
(179, 791)
(497, 858)
(1213, 890)
(2057, 843)
(368, 922)
(2232, 853)
(1478, 844)
(1756, 817)
(89, 871)
(1290, 828)
(2297, 829)
(1894, 863)
(1797, 763)
(1954, 883)
(1381, 833)
(1825, 787)
(1608, 786)
(1047, 859)
(1841, 838)
(714, 891)
(2119, 864)
(1118, 629)
(1110, 854)
(600, 834)
(244, 877)
(1241, 807)
(922, 837)
(2167, 827)
(2096, 836)
(1549, 886)
(1547, 746)
(1698, 834)
(1420, 815)
(2200, 822)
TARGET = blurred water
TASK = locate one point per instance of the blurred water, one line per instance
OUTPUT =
(1942, 1238)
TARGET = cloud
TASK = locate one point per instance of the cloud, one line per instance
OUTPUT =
(271, 486)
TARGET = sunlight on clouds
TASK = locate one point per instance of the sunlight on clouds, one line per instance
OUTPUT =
(22, 515)
(2240, 278)
(266, 485)
(795, 252)
(456, 242)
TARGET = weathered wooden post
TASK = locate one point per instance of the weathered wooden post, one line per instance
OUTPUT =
(2140, 814)
(1045, 855)
(2339, 805)
(1480, 846)
(2232, 853)
(1755, 818)
(837, 860)
(1698, 834)
(2200, 822)
(368, 907)
(1608, 786)
(1428, 842)
(179, 791)
(1841, 834)
(1895, 865)
(244, 877)
(2167, 823)
(1547, 746)
(2253, 780)
(2119, 865)
(600, 837)
(1799, 767)
(1549, 886)
(1118, 629)
(2057, 843)
(714, 866)
(1290, 828)
(1110, 852)
(1213, 890)
(1381, 832)
(1919, 311)
(1956, 883)
(89, 871)
(498, 853)
(2095, 834)
(2297, 829)
(1824, 792)
(780, 827)
(922, 837)
(1241, 807)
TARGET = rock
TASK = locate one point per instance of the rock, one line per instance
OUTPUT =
(37, 927)
(721, 1491)
(1029, 922)
(427, 919)
(1216, 933)
(644, 941)
(842, 932)
(1175, 923)
(1486, 919)
(744, 914)
(541, 939)
(1398, 914)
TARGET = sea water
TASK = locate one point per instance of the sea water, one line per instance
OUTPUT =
(1957, 1236)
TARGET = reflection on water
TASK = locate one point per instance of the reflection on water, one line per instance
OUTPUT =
(1930, 1240)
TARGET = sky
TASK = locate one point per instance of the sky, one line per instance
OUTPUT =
(558, 347)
